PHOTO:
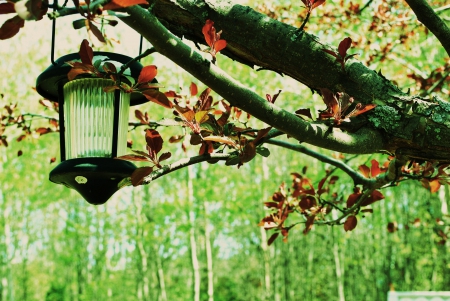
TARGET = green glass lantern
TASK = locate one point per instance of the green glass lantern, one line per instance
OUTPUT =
(93, 127)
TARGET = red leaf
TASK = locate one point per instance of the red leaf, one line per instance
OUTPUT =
(209, 32)
(434, 185)
(219, 45)
(157, 97)
(350, 223)
(317, 3)
(193, 89)
(137, 177)
(272, 238)
(42, 131)
(365, 170)
(375, 168)
(11, 27)
(86, 53)
(375, 196)
(7, 8)
(116, 4)
(344, 45)
(154, 141)
(353, 197)
(148, 73)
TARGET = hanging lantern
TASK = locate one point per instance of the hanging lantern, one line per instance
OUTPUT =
(93, 127)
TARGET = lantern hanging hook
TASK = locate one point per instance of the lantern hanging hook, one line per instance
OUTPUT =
(52, 55)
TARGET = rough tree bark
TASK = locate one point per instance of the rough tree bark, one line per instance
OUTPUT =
(401, 123)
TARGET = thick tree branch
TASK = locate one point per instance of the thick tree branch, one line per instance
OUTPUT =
(432, 21)
(319, 134)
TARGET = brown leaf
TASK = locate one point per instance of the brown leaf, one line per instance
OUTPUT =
(350, 223)
(154, 142)
(307, 202)
(80, 68)
(353, 198)
(7, 8)
(309, 224)
(86, 53)
(137, 177)
(157, 97)
(304, 112)
(375, 196)
(95, 34)
(272, 238)
(11, 27)
(344, 45)
(164, 156)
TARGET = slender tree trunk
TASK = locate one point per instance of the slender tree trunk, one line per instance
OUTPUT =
(209, 257)
(193, 243)
(140, 236)
(266, 258)
(338, 266)
(264, 246)
(160, 274)
(7, 280)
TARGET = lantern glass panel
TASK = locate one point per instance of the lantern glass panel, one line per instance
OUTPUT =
(89, 119)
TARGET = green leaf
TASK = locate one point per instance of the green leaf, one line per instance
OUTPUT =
(232, 160)
(263, 151)
(80, 23)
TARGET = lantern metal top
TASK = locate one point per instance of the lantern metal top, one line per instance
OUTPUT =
(48, 81)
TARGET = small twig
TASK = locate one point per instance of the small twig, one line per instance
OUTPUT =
(166, 169)
(438, 83)
(142, 55)
(356, 176)
(305, 21)
(365, 6)
(66, 11)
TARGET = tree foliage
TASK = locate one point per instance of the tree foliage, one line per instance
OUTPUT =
(363, 112)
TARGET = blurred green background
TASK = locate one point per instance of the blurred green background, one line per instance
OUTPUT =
(193, 235)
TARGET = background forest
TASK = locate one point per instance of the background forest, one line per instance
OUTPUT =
(193, 235)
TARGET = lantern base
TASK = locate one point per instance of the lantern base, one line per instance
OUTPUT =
(96, 179)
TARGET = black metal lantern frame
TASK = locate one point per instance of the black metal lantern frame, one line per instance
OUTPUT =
(91, 136)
